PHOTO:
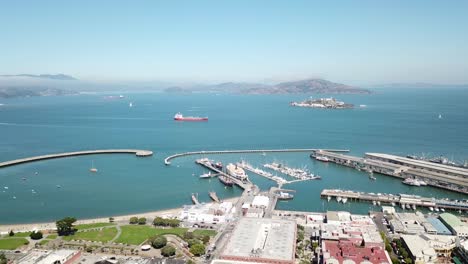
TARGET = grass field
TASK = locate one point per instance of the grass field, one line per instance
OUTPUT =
(12, 243)
(95, 225)
(54, 236)
(22, 234)
(204, 232)
(44, 241)
(104, 235)
(135, 235)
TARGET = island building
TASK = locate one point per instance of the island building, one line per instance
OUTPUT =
(261, 240)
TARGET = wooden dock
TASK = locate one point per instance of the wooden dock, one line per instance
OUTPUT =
(401, 199)
(214, 197)
(167, 160)
(137, 152)
(195, 199)
(205, 163)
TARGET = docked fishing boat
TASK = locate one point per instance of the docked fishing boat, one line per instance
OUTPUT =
(226, 181)
(411, 181)
(338, 198)
(328, 198)
(431, 208)
(285, 196)
(372, 177)
(344, 200)
(322, 158)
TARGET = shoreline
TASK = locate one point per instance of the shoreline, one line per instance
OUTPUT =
(5, 228)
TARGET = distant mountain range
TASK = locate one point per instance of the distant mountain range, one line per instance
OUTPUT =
(309, 86)
(44, 76)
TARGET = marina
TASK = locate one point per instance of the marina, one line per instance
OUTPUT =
(406, 201)
(299, 174)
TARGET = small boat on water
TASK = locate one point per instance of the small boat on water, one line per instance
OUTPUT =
(436, 209)
(413, 206)
(195, 198)
(93, 169)
(205, 175)
(408, 206)
(402, 206)
(374, 202)
(431, 208)
(180, 117)
(442, 209)
(58, 186)
(328, 198)
(378, 203)
(393, 204)
(372, 177)
(338, 198)
(344, 200)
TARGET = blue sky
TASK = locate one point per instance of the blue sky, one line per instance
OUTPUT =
(357, 42)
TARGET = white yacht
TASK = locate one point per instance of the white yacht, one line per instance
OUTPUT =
(344, 200)
(338, 199)
(431, 208)
(236, 171)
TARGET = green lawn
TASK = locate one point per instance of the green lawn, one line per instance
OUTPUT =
(22, 234)
(54, 236)
(135, 235)
(95, 225)
(104, 235)
(204, 232)
(12, 243)
(44, 241)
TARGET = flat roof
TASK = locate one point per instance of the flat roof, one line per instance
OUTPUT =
(422, 163)
(451, 219)
(439, 226)
(254, 238)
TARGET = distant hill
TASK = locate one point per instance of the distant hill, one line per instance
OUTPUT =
(316, 86)
(420, 85)
(62, 77)
(10, 92)
(308, 86)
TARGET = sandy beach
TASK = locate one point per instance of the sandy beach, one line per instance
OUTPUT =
(4, 229)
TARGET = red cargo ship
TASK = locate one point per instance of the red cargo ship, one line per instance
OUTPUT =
(180, 117)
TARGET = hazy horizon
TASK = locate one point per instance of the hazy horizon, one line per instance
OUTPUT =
(356, 43)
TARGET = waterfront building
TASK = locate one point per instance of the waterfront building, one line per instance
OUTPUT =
(261, 240)
(458, 228)
(207, 213)
(426, 248)
(63, 256)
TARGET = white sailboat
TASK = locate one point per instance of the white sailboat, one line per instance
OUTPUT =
(440, 116)
(93, 169)
(344, 200)
(130, 104)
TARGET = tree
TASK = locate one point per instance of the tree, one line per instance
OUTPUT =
(65, 226)
(197, 249)
(133, 220)
(168, 251)
(300, 236)
(395, 260)
(36, 235)
(206, 239)
(11, 233)
(142, 221)
(3, 259)
(408, 261)
(111, 219)
(193, 241)
(159, 242)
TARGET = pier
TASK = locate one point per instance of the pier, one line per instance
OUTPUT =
(439, 176)
(205, 163)
(214, 197)
(167, 160)
(402, 199)
(137, 152)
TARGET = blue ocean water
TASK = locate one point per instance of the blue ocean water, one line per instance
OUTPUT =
(402, 121)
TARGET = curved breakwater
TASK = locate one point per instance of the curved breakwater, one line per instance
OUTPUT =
(167, 160)
(137, 152)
